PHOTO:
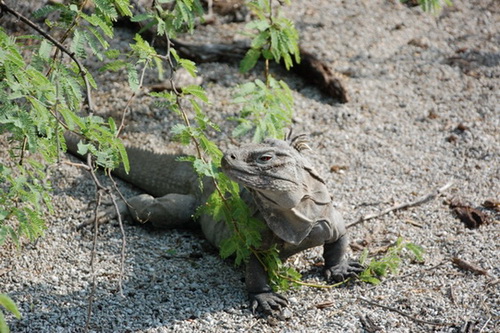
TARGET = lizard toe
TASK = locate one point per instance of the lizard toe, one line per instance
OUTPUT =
(267, 302)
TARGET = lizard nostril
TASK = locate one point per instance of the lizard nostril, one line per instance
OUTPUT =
(232, 156)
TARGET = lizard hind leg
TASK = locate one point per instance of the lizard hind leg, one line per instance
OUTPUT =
(168, 212)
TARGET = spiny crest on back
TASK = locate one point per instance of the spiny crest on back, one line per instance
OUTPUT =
(298, 142)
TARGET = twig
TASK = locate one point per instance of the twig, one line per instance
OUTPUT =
(470, 267)
(78, 165)
(93, 253)
(122, 230)
(314, 285)
(417, 202)
(485, 324)
(100, 189)
(61, 47)
(132, 97)
(404, 314)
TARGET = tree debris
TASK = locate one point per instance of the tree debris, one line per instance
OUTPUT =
(492, 204)
(469, 267)
(369, 325)
(324, 305)
(473, 218)
(339, 168)
(404, 314)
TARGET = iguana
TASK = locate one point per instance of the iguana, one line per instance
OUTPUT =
(285, 190)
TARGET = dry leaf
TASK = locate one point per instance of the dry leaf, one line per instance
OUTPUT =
(472, 217)
(324, 305)
(338, 168)
(469, 267)
(492, 204)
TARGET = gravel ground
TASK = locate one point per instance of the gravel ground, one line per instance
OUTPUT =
(424, 111)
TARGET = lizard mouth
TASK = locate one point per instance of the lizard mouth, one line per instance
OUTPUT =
(234, 171)
(262, 179)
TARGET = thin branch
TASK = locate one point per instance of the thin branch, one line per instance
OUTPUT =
(94, 249)
(100, 189)
(485, 324)
(66, 34)
(61, 47)
(78, 165)
(123, 247)
(23, 149)
(431, 196)
(404, 314)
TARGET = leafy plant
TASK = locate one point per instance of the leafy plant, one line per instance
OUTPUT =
(263, 102)
(41, 97)
(9, 305)
(389, 263)
(267, 108)
(433, 6)
(44, 87)
(273, 36)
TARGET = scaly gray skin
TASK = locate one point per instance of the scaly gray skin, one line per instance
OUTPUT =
(293, 200)
(286, 192)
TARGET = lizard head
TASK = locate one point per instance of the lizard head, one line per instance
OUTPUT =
(274, 168)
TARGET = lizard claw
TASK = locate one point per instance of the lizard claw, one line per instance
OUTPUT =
(342, 271)
(267, 301)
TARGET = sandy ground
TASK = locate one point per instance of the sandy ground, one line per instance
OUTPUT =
(424, 111)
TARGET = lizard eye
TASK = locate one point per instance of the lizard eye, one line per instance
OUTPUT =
(264, 158)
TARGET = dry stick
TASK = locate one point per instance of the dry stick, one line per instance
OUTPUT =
(123, 247)
(485, 324)
(122, 231)
(61, 47)
(404, 314)
(417, 202)
(92, 258)
(101, 188)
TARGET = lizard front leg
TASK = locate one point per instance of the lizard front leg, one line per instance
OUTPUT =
(168, 212)
(337, 268)
(259, 291)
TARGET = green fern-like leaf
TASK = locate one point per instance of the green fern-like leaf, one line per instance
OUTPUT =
(133, 77)
(123, 7)
(250, 60)
(7, 303)
(97, 35)
(197, 91)
(97, 21)
(46, 10)
(107, 8)
(77, 45)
